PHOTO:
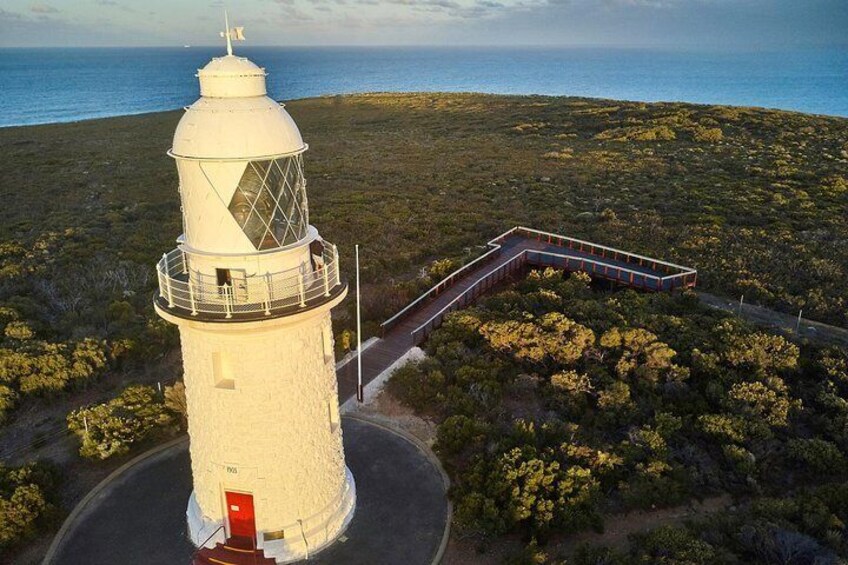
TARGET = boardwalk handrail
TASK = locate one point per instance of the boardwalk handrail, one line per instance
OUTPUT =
(655, 278)
(442, 284)
(608, 255)
(450, 306)
(591, 245)
(423, 330)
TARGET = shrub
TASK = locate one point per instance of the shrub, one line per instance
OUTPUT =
(672, 545)
(616, 397)
(40, 367)
(708, 135)
(638, 133)
(552, 338)
(726, 427)
(641, 353)
(457, 434)
(770, 544)
(542, 493)
(818, 455)
(572, 382)
(111, 428)
(175, 400)
(441, 268)
(762, 352)
(18, 330)
(8, 398)
(771, 404)
(418, 385)
(25, 501)
(743, 460)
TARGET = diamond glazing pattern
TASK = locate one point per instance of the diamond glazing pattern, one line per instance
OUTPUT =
(270, 204)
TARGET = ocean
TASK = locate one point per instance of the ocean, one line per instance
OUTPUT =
(59, 85)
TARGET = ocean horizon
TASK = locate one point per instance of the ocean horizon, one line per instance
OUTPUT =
(50, 85)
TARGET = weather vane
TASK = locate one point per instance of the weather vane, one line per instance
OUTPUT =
(232, 34)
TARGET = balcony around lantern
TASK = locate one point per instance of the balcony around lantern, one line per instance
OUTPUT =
(201, 296)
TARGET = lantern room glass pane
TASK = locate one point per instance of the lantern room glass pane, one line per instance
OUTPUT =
(270, 204)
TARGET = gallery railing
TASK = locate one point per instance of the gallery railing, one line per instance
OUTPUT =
(197, 293)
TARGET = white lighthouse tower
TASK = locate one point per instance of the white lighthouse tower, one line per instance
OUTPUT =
(251, 285)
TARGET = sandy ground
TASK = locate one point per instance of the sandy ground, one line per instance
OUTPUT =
(387, 409)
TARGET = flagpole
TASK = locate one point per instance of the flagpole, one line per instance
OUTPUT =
(227, 32)
(360, 396)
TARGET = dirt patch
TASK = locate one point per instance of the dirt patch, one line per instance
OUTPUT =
(387, 409)
(617, 529)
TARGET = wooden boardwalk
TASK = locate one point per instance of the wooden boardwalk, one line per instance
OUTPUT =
(510, 254)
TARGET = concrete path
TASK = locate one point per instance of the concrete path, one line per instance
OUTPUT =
(139, 518)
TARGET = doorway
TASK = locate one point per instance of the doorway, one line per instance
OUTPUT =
(232, 282)
(225, 278)
(240, 515)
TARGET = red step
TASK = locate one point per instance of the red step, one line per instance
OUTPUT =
(235, 551)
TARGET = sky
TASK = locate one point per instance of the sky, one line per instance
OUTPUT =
(718, 24)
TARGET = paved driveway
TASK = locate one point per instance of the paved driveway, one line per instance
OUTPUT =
(400, 515)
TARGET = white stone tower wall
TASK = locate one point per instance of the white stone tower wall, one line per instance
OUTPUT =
(263, 418)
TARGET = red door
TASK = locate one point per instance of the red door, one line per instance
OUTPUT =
(240, 513)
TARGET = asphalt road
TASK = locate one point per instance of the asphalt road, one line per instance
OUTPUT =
(400, 517)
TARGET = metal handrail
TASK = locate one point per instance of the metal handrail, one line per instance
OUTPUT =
(444, 283)
(610, 253)
(202, 545)
(523, 257)
(199, 293)
(597, 246)
(504, 267)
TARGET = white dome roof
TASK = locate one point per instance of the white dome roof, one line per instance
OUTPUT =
(234, 119)
(231, 77)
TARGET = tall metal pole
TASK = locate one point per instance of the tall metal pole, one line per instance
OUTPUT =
(360, 396)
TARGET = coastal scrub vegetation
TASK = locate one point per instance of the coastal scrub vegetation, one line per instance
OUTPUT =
(754, 199)
(136, 414)
(558, 404)
(28, 499)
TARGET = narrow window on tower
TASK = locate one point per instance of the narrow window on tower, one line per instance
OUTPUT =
(327, 334)
(333, 409)
(222, 370)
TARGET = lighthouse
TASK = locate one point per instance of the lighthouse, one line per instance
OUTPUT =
(250, 286)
